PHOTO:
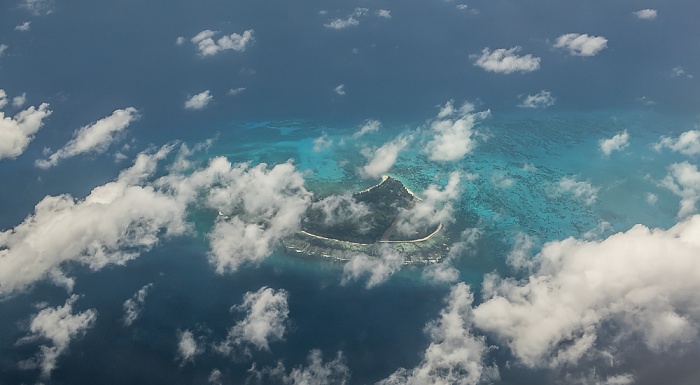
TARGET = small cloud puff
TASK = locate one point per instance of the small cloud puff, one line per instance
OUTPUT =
(583, 192)
(350, 21)
(384, 13)
(18, 101)
(543, 99)
(646, 14)
(340, 90)
(453, 132)
(677, 72)
(3, 48)
(266, 315)
(24, 27)
(379, 268)
(180, 40)
(369, 127)
(322, 143)
(687, 143)
(208, 46)
(236, 91)
(506, 61)
(618, 142)
(60, 326)
(187, 347)
(93, 138)
(134, 305)
(315, 373)
(683, 179)
(581, 44)
(199, 101)
(17, 132)
(382, 159)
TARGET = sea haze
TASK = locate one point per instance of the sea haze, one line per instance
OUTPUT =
(144, 210)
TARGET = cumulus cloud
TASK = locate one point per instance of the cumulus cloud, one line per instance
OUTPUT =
(340, 90)
(436, 207)
(370, 126)
(19, 100)
(93, 138)
(3, 98)
(134, 305)
(199, 101)
(646, 14)
(187, 347)
(543, 99)
(38, 7)
(265, 321)
(322, 143)
(453, 132)
(317, 372)
(618, 142)
(350, 21)
(380, 160)
(384, 13)
(59, 326)
(455, 355)
(506, 61)
(639, 282)
(16, 132)
(687, 143)
(379, 269)
(207, 46)
(263, 205)
(581, 44)
(24, 26)
(683, 179)
(680, 72)
(110, 226)
(581, 191)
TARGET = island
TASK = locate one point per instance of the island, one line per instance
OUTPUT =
(366, 222)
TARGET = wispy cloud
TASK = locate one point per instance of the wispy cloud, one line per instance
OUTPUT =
(542, 99)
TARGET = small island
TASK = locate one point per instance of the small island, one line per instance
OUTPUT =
(368, 226)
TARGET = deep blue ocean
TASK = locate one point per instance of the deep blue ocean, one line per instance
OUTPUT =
(89, 58)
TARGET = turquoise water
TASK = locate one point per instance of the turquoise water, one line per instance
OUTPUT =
(378, 330)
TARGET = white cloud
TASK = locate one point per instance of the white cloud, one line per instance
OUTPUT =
(646, 14)
(342, 23)
(370, 126)
(680, 72)
(317, 372)
(453, 134)
(207, 46)
(618, 142)
(180, 40)
(18, 101)
(383, 158)
(687, 143)
(543, 99)
(120, 219)
(340, 90)
(17, 132)
(506, 61)
(187, 347)
(199, 101)
(322, 143)
(436, 207)
(264, 205)
(462, 7)
(683, 180)
(581, 44)
(3, 98)
(134, 305)
(3, 48)
(379, 268)
(236, 91)
(93, 138)
(38, 7)
(651, 198)
(265, 321)
(341, 209)
(639, 282)
(384, 13)
(582, 192)
(455, 355)
(59, 326)
(24, 26)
